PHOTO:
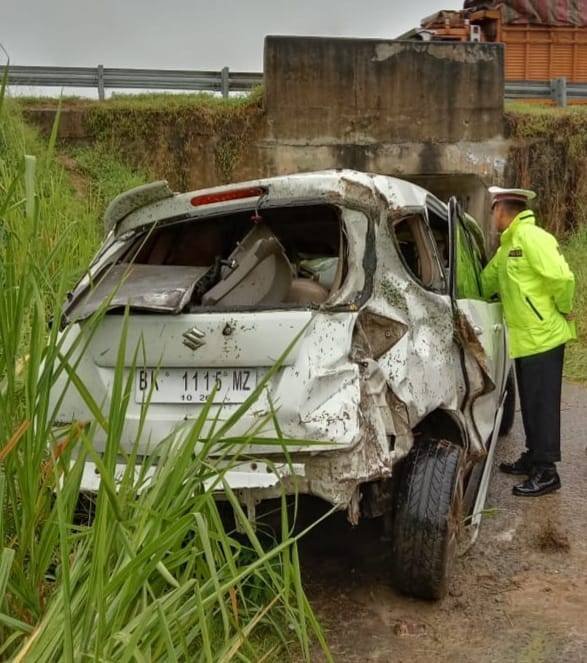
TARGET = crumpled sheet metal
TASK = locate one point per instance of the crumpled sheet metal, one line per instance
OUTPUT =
(348, 188)
(415, 365)
(415, 376)
(355, 230)
(328, 396)
(419, 374)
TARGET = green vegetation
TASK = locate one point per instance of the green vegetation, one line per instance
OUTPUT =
(158, 133)
(548, 155)
(575, 250)
(140, 129)
(154, 574)
(543, 110)
(66, 233)
(101, 175)
(153, 101)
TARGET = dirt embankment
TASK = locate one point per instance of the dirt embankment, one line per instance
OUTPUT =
(548, 153)
(190, 139)
(520, 595)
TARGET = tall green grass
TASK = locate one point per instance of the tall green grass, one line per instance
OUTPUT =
(155, 574)
(104, 175)
(575, 251)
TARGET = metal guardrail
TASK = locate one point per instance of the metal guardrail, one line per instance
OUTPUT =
(558, 90)
(226, 81)
(103, 78)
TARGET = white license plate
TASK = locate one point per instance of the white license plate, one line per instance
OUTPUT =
(194, 385)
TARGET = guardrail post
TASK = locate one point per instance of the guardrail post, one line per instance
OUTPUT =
(224, 82)
(558, 87)
(101, 94)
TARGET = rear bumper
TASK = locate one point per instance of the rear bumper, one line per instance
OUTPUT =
(334, 476)
(257, 475)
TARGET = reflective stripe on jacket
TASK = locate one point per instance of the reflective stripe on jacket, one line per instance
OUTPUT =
(535, 285)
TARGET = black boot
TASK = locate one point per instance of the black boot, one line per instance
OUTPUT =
(521, 466)
(544, 479)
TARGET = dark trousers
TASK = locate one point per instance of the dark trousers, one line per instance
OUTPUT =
(539, 380)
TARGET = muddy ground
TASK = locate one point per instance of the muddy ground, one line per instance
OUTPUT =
(519, 595)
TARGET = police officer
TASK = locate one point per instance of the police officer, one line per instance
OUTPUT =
(536, 288)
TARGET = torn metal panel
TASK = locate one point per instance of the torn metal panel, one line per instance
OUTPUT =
(376, 334)
(110, 252)
(355, 228)
(426, 351)
(163, 288)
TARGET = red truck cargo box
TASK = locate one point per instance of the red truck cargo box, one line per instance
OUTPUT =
(572, 13)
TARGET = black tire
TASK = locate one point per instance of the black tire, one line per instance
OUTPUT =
(428, 518)
(509, 407)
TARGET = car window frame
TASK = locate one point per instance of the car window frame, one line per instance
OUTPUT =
(422, 213)
(473, 248)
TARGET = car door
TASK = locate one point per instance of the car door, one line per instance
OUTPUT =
(485, 318)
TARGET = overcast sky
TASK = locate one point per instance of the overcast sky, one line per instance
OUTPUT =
(190, 34)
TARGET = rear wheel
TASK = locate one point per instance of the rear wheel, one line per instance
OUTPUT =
(428, 519)
(509, 406)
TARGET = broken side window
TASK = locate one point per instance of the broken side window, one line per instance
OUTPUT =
(439, 229)
(469, 266)
(415, 246)
(468, 258)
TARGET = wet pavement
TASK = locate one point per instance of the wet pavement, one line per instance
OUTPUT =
(520, 594)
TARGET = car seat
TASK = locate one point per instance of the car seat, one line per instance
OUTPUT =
(257, 272)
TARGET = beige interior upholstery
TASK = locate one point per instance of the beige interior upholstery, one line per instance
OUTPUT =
(260, 273)
(307, 291)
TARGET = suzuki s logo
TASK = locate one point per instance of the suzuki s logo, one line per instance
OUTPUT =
(194, 338)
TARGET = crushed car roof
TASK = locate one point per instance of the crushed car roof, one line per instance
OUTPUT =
(148, 204)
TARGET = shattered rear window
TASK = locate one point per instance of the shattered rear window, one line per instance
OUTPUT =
(288, 256)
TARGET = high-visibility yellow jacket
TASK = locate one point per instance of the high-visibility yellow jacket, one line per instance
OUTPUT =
(535, 285)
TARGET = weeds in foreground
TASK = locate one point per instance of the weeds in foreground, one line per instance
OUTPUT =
(154, 575)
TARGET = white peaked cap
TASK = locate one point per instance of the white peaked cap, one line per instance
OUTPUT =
(498, 194)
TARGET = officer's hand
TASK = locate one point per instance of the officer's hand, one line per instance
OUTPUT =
(569, 316)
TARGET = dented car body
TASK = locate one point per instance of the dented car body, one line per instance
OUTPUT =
(368, 282)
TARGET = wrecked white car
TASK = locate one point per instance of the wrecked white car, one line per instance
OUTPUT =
(397, 372)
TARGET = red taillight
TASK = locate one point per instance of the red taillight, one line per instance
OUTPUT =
(223, 196)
